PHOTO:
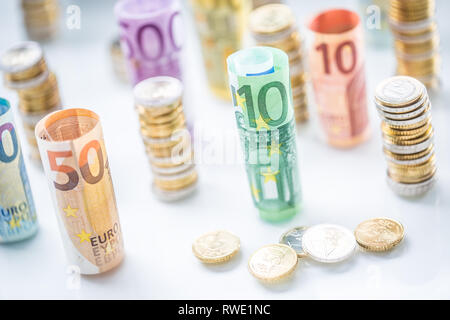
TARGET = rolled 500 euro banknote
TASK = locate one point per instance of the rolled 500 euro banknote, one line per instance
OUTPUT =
(76, 165)
(261, 93)
(17, 212)
(151, 34)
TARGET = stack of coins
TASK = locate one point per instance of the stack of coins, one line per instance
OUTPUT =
(118, 60)
(168, 143)
(274, 25)
(416, 40)
(41, 18)
(25, 71)
(404, 107)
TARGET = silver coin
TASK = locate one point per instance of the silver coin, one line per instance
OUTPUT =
(400, 123)
(411, 190)
(328, 243)
(416, 148)
(413, 114)
(158, 92)
(399, 91)
(411, 26)
(20, 85)
(406, 109)
(177, 176)
(172, 170)
(293, 239)
(20, 57)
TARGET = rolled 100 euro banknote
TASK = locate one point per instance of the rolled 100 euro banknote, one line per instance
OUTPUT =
(76, 165)
(261, 93)
(338, 76)
(17, 211)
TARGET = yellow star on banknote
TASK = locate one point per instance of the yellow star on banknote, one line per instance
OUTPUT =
(255, 192)
(70, 212)
(240, 101)
(260, 123)
(269, 175)
(108, 249)
(275, 149)
(14, 223)
(83, 236)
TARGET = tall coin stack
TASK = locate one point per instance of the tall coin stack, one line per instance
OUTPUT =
(273, 25)
(168, 143)
(404, 108)
(25, 71)
(416, 40)
(118, 60)
(41, 18)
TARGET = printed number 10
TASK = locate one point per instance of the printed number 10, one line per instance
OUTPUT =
(339, 56)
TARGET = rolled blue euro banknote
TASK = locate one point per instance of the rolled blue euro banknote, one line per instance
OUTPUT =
(17, 212)
(262, 97)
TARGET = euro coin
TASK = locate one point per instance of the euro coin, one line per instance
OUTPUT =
(216, 247)
(273, 262)
(293, 238)
(379, 234)
(328, 243)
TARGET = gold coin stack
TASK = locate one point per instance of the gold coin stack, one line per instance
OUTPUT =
(26, 72)
(404, 107)
(416, 40)
(159, 105)
(41, 18)
(118, 61)
(274, 25)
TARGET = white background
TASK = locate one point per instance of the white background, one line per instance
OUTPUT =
(339, 186)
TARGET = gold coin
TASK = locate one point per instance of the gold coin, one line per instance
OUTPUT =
(273, 262)
(216, 247)
(379, 234)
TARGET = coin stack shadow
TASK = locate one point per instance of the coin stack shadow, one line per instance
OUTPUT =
(119, 62)
(41, 18)
(416, 40)
(274, 25)
(36, 86)
(407, 135)
(159, 106)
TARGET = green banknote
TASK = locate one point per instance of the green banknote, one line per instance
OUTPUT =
(17, 212)
(265, 119)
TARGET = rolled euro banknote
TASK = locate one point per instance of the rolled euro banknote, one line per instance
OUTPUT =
(150, 33)
(18, 215)
(76, 165)
(338, 75)
(261, 93)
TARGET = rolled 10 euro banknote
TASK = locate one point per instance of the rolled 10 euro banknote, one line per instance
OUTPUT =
(17, 211)
(76, 165)
(337, 70)
(261, 93)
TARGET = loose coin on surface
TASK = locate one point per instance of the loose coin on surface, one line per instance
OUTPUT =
(293, 238)
(273, 262)
(379, 234)
(328, 243)
(216, 247)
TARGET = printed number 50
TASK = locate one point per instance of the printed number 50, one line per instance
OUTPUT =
(83, 163)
